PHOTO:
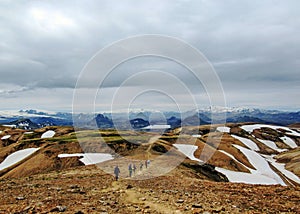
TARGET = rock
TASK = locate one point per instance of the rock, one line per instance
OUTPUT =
(74, 186)
(39, 204)
(221, 209)
(79, 212)
(19, 198)
(59, 209)
(82, 192)
(197, 206)
(129, 186)
(180, 201)
(142, 199)
(26, 209)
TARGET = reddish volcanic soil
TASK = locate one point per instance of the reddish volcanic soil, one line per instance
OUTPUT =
(87, 189)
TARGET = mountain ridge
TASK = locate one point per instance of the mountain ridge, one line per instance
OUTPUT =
(195, 117)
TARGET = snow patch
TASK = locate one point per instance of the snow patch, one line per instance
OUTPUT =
(157, 127)
(10, 126)
(17, 157)
(288, 141)
(223, 129)
(272, 145)
(242, 177)
(250, 128)
(249, 143)
(24, 114)
(28, 132)
(229, 155)
(281, 168)
(262, 175)
(48, 134)
(5, 137)
(89, 158)
(188, 150)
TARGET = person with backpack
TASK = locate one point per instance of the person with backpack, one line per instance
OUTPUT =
(141, 166)
(134, 168)
(130, 170)
(117, 172)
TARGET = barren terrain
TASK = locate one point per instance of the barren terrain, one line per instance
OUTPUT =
(87, 189)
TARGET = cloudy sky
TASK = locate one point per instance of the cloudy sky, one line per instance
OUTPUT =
(254, 47)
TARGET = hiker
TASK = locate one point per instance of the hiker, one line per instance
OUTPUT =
(130, 170)
(117, 172)
(141, 166)
(134, 168)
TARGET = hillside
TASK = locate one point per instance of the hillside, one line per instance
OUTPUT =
(86, 189)
(45, 168)
(257, 153)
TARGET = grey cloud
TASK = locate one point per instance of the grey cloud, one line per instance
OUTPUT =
(252, 44)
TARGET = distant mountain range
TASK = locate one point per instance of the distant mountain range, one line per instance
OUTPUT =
(32, 119)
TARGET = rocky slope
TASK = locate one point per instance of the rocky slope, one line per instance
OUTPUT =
(43, 182)
(253, 153)
(87, 189)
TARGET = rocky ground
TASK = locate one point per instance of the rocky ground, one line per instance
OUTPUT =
(86, 189)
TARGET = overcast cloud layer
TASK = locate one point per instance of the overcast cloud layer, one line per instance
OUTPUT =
(254, 47)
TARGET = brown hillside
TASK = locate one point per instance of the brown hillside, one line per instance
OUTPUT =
(89, 190)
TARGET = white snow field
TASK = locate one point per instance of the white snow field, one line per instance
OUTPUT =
(281, 168)
(231, 156)
(89, 158)
(48, 134)
(262, 175)
(242, 177)
(250, 128)
(10, 126)
(272, 145)
(17, 157)
(188, 150)
(288, 141)
(5, 137)
(223, 129)
(249, 143)
(28, 132)
(158, 126)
